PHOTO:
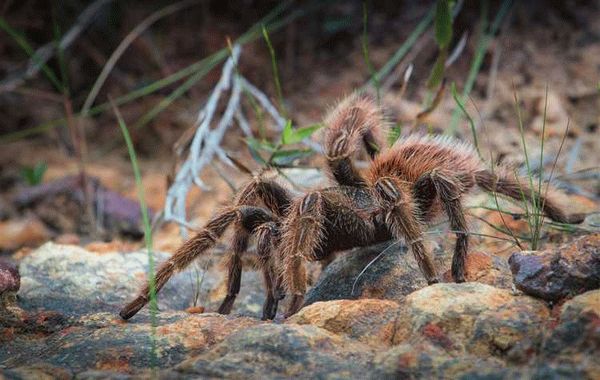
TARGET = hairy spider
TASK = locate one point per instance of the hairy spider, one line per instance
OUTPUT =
(404, 189)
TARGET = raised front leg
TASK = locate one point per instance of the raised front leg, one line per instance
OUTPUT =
(356, 122)
(401, 218)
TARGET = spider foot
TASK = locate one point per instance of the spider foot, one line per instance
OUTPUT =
(227, 305)
(269, 309)
(295, 305)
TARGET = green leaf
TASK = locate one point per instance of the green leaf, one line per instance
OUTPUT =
(34, 175)
(294, 136)
(287, 157)
(394, 134)
(443, 23)
(287, 135)
(255, 146)
(263, 145)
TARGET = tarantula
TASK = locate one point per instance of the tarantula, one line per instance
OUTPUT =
(404, 189)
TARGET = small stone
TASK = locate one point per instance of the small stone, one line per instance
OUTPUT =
(10, 280)
(470, 317)
(588, 302)
(195, 310)
(486, 269)
(367, 320)
(559, 273)
(18, 233)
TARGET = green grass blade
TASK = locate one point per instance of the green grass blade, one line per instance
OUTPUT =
(461, 106)
(275, 71)
(252, 34)
(485, 38)
(443, 23)
(405, 47)
(153, 304)
(26, 46)
(367, 57)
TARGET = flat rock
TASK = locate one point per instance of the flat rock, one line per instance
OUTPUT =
(73, 281)
(559, 273)
(471, 317)
(367, 320)
(280, 351)
(102, 341)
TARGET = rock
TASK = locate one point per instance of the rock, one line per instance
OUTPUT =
(74, 281)
(16, 233)
(575, 341)
(10, 280)
(393, 276)
(471, 317)
(249, 301)
(104, 342)
(396, 274)
(426, 361)
(38, 371)
(61, 204)
(588, 302)
(280, 351)
(112, 375)
(559, 273)
(486, 269)
(367, 320)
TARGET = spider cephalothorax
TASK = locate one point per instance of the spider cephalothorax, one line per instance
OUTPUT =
(404, 188)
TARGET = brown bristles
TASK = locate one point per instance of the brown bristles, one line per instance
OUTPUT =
(355, 122)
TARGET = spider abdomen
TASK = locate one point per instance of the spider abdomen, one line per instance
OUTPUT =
(414, 156)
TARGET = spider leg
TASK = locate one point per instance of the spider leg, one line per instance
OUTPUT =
(401, 219)
(355, 122)
(249, 217)
(267, 236)
(260, 190)
(302, 235)
(449, 188)
(277, 199)
(424, 195)
(234, 269)
(520, 190)
(252, 221)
